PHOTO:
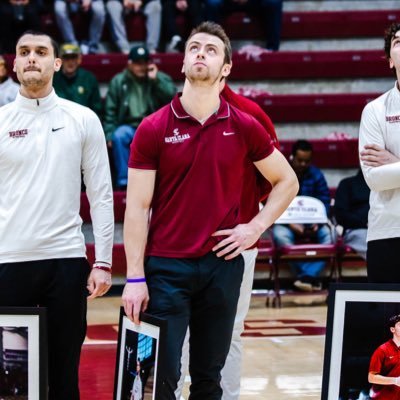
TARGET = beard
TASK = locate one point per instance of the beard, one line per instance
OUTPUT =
(202, 75)
(32, 82)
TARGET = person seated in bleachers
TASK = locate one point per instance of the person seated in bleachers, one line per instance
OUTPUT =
(351, 211)
(312, 183)
(195, 10)
(133, 94)
(75, 83)
(270, 12)
(117, 9)
(65, 8)
(17, 16)
(171, 8)
(8, 88)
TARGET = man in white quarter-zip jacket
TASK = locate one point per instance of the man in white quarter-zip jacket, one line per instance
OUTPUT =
(45, 144)
(379, 146)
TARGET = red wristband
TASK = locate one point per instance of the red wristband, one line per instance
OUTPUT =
(107, 269)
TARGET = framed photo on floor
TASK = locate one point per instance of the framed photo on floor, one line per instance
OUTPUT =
(139, 354)
(23, 353)
(358, 324)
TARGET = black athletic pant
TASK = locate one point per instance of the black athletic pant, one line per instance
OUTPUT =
(383, 261)
(60, 286)
(201, 293)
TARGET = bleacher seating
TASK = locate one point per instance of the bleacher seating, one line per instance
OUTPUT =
(329, 153)
(242, 26)
(296, 25)
(314, 107)
(309, 65)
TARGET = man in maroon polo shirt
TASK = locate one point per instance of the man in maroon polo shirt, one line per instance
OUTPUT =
(255, 189)
(187, 164)
(384, 367)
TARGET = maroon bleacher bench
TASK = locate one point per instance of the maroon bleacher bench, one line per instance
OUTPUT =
(337, 107)
(277, 65)
(329, 153)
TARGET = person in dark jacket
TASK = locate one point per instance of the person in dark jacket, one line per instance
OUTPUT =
(133, 94)
(351, 211)
(75, 83)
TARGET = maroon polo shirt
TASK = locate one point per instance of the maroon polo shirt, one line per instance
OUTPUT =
(200, 174)
(386, 361)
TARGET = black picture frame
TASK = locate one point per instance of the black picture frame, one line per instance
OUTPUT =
(140, 347)
(23, 352)
(357, 324)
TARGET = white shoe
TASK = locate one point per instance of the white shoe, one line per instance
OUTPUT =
(303, 286)
(172, 45)
(84, 49)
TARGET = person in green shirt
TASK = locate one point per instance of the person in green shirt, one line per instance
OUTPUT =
(133, 94)
(75, 83)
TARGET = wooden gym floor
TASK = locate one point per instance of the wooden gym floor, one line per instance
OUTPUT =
(283, 349)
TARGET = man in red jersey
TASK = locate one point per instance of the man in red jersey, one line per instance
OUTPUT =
(384, 367)
(188, 162)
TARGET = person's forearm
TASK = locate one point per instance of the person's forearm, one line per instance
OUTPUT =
(278, 201)
(135, 238)
(102, 214)
(383, 380)
(384, 177)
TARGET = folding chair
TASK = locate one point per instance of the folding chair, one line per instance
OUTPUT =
(347, 255)
(305, 210)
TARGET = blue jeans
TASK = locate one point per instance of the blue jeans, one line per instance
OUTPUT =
(152, 11)
(98, 16)
(121, 142)
(283, 235)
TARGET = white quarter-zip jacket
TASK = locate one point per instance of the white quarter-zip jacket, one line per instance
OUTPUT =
(380, 124)
(45, 145)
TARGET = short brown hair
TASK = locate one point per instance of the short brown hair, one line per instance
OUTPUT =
(389, 35)
(54, 44)
(216, 30)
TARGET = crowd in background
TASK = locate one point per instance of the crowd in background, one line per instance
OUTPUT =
(141, 89)
(162, 33)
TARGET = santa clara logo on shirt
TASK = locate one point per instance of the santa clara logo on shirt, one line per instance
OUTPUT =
(18, 134)
(177, 137)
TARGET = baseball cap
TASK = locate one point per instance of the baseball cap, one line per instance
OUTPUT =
(139, 53)
(69, 49)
